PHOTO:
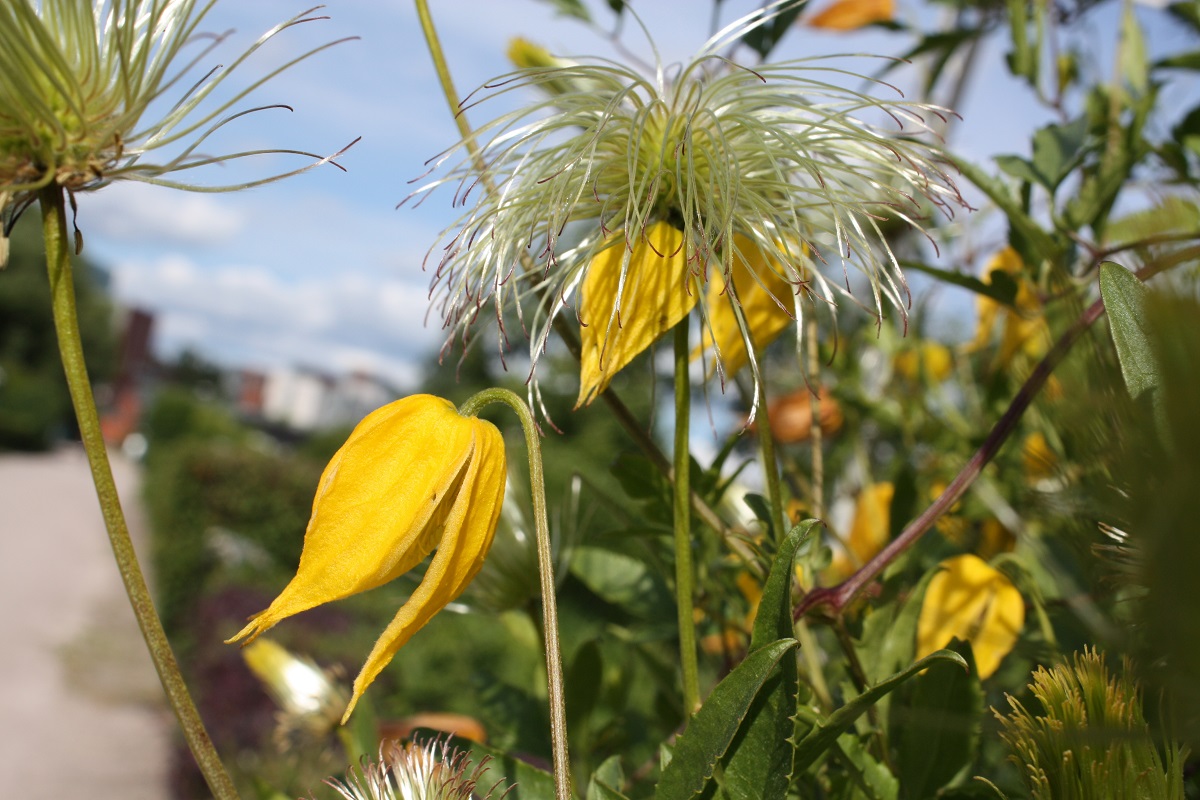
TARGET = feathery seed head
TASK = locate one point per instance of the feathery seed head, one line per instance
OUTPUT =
(775, 155)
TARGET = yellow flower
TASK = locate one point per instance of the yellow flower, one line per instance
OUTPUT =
(970, 600)
(763, 291)
(309, 699)
(929, 359)
(414, 475)
(1025, 330)
(869, 531)
(633, 293)
(849, 15)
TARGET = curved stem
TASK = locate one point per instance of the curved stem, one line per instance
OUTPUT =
(443, 72)
(836, 598)
(685, 591)
(70, 345)
(554, 670)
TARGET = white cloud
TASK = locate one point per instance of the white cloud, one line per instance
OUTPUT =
(129, 211)
(248, 316)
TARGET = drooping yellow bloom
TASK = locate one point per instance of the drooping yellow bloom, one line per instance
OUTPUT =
(765, 296)
(869, 531)
(414, 475)
(970, 600)
(1025, 330)
(632, 294)
(931, 360)
(849, 15)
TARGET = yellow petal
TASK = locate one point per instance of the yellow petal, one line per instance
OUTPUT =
(469, 529)
(930, 359)
(848, 15)
(968, 599)
(624, 312)
(765, 296)
(377, 507)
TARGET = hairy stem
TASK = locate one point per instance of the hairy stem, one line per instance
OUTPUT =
(70, 346)
(554, 670)
(685, 590)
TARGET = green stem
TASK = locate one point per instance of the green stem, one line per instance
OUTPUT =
(684, 580)
(619, 410)
(770, 463)
(554, 670)
(70, 345)
(443, 72)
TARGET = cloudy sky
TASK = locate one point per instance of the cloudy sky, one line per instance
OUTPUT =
(321, 270)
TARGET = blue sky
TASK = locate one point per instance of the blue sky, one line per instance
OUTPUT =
(321, 270)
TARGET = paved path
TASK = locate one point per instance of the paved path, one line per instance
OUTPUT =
(81, 713)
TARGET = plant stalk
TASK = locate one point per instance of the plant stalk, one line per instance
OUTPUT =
(554, 669)
(770, 462)
(70, 345)
(685, 590)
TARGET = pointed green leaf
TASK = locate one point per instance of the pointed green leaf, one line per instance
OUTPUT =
(1132, 53)
(822, 737)
(774, 618)
(935, 722)
(1125, 301)
(1058, 149)
(572, 8)
(605, 780)
(1001, 288)
(759, 762)
(712, 728)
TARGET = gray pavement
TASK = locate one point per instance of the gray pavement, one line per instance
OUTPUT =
(81, 712)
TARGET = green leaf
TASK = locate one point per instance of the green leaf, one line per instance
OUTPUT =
(1058, 149)
(621, 580)
(759, 761)
(1171, 215)
(583, 681)
(1132, 53)
(774, 618)
(824, 734)
(764, 38)
(712, 728)
(571, 8)
(1181, 61)
(1020, 168)
(1125, 301)
(1002, 288)
(935, 722)
(1188, 12)
(1040, 242)
(875, 781)
(1023, 59)
(605, 779)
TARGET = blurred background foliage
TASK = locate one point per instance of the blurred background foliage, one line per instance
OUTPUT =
(1090, 510)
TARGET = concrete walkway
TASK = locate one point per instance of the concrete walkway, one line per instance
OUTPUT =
(81, 711)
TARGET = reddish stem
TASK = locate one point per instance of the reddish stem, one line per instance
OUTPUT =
(834, 599)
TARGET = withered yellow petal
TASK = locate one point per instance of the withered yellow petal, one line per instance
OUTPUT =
(625, 310)
(968, 599)
(764, 294)
(414, 475)
(849, 15)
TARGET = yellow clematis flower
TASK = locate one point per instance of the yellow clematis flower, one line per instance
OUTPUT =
(869, 531)
(414, 475)
(765, 295)
(970, 600)
(632, 294)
